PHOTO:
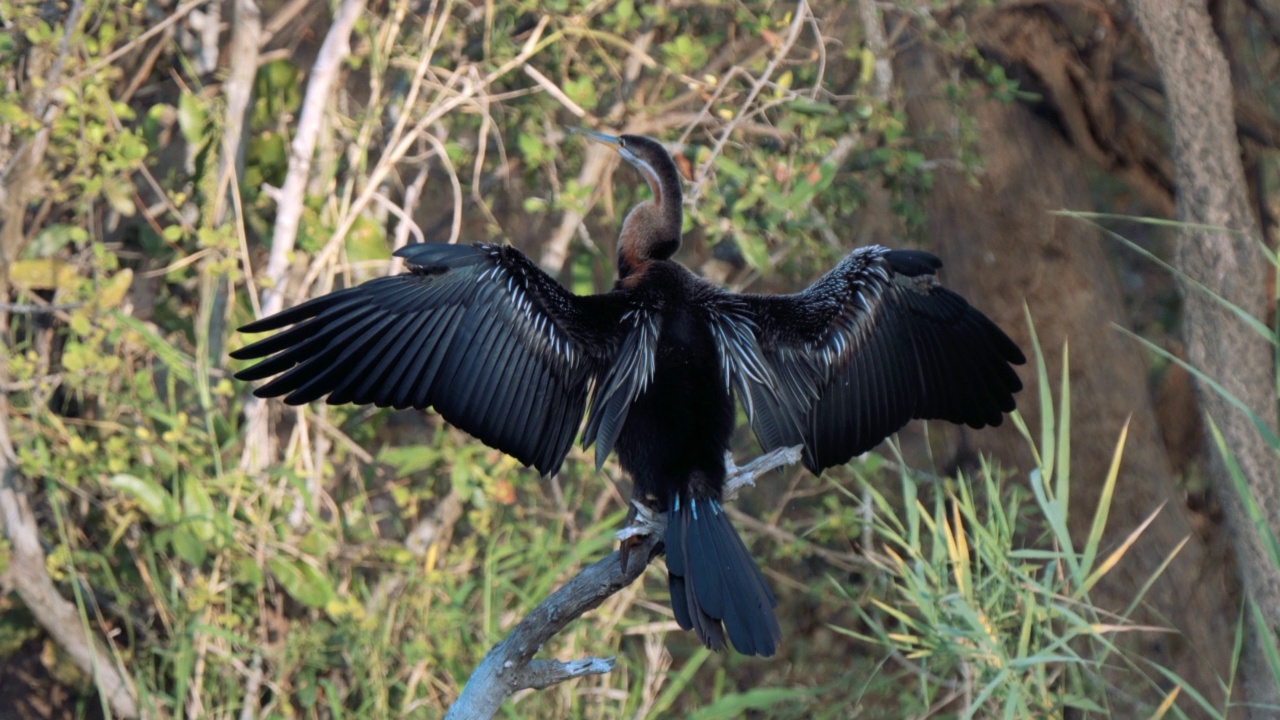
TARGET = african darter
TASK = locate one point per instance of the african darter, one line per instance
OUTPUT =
(504, 352)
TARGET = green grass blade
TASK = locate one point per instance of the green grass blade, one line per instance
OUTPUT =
(1248, 319)
(1047, 435)
(1251, 505)
(1267, 434)
(1090, 551)
(1062, 475)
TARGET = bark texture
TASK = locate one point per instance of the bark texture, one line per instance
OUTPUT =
(1211, 191)
(1002, 246)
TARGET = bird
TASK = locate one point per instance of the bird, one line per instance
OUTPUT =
(501, 350)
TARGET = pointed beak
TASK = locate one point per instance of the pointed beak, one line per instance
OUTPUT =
(593, 135)
(625, 152)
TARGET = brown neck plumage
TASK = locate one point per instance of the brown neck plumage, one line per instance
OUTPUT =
(647, 235)
(651, 230)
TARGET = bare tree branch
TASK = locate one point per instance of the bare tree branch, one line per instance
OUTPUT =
(798, 20)
(401, 142)
(1220, 249)
(510, 667)
(289, 202)
(28, 575)
(873, 35)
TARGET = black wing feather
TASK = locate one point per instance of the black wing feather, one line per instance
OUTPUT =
(871, 345)
(476, 331)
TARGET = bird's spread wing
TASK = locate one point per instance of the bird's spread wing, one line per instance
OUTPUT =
(871, 345)
(481, 334)
(627, 376)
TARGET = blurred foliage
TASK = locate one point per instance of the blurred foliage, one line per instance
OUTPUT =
(300, 581)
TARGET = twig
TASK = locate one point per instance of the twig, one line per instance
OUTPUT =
(25, 309)
(509, 666)
(555, 252)
(51, 379)
(873, 34)
(407, 224)
(740, 476)
(324, 72)
(249, 707)
(282, 17)
(793, 33)
(554, 91)
(178, 14)
(437, 526)
(237, 90)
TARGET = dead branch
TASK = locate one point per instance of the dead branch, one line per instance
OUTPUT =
(555, 252)
(510, 667)
(400, 143)
(873, 35)
(28, 575)
(289, 204)
(784, 48)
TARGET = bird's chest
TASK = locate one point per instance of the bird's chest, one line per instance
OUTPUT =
(682, 421)
(686, 357)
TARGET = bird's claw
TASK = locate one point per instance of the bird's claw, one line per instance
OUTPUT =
(643, 523)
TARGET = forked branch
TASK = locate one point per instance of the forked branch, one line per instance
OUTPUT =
(509, 667)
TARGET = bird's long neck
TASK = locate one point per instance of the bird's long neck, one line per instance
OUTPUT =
(652, 229)
(668, 199)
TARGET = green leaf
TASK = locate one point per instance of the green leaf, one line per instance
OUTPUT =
(811, 107)
(754, 250)
(410, 459)
(191, 119)
(736, 705)
(581, 90)
(532, 148)
(303, 581)
(245, 570)
(188, 547)
(197, 509)
(366, 240)
(153, 499)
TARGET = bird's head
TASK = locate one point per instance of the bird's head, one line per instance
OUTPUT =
(652, 229)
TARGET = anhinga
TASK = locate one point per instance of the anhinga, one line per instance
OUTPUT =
(504, 352)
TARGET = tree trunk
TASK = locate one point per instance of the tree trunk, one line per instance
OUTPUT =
(1002, 247)
(1212, 194)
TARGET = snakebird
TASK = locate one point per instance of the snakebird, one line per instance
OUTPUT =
(502, 351)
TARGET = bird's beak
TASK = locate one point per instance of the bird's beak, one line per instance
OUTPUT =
(597, 136)
(624, 151)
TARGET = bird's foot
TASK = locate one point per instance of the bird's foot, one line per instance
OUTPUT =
(737, 477)
(642, 522)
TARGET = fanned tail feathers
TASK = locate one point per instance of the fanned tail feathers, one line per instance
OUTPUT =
(716, 588)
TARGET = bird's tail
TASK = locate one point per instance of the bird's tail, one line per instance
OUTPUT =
(715, 585)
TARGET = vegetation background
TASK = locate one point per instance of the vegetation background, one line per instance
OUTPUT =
(171, 170)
